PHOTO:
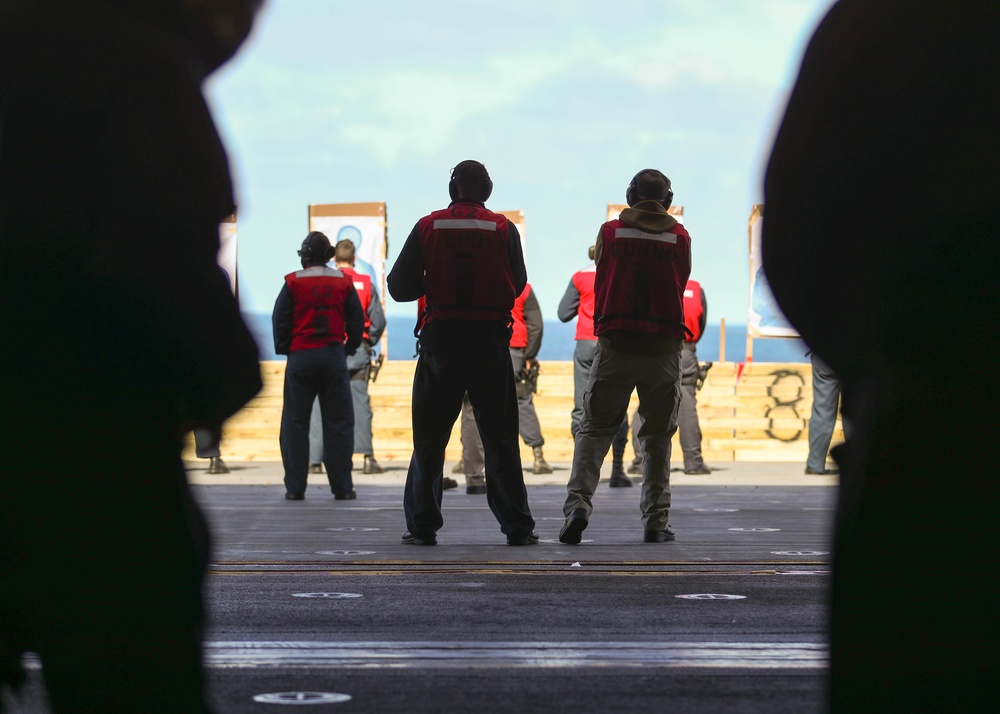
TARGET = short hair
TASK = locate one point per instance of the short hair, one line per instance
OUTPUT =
(343, 252)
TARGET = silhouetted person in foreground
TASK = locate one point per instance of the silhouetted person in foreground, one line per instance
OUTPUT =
(123, 337)
(880, 245)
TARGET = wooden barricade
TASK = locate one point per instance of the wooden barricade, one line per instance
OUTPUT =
(763, 418)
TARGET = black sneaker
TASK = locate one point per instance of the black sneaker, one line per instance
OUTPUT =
(345, 495)
(426, 539)
(447, 483)
(572, 530)
(529, 539)
(660, 536)
(294, 496)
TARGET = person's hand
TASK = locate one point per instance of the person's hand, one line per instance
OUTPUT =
(529, 363)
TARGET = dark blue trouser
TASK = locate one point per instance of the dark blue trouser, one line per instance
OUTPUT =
(456, 358)
(310, 374)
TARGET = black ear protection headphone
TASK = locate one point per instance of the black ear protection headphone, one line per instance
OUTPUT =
(591, 251)
(458, 175)
(632, 198)
(309, 252)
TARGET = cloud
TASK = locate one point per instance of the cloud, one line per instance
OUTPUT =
(452, 74)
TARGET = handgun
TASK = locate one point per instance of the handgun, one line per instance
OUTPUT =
(376, 365)
(528, 376)
(703, 368)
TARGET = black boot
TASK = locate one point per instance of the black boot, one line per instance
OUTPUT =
(475, 484)
(618, 477)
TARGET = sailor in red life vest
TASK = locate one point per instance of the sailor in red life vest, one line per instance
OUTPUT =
(695, 317)
(643, 263)
(578, 302)
(525, 342)
(317, 322)
(467, 260)
(358, 367)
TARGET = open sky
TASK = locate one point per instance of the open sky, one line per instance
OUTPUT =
(335, 101)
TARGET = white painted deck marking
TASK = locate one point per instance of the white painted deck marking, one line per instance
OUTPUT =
(465, 655)
(302, 698)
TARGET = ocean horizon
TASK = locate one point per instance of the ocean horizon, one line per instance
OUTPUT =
(558, 343)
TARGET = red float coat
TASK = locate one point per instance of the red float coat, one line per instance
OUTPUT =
(583, 281)
(462, 254)
(520, 336)
(640, 280)
(318, 319)
(694, 309)
(363, 284)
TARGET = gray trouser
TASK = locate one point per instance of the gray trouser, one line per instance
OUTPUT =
(613, 377)
(362, 418)
(473, 458)
(527, 424)
(527, 419)
(687, 415)
(826, 398)
(583, 359)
